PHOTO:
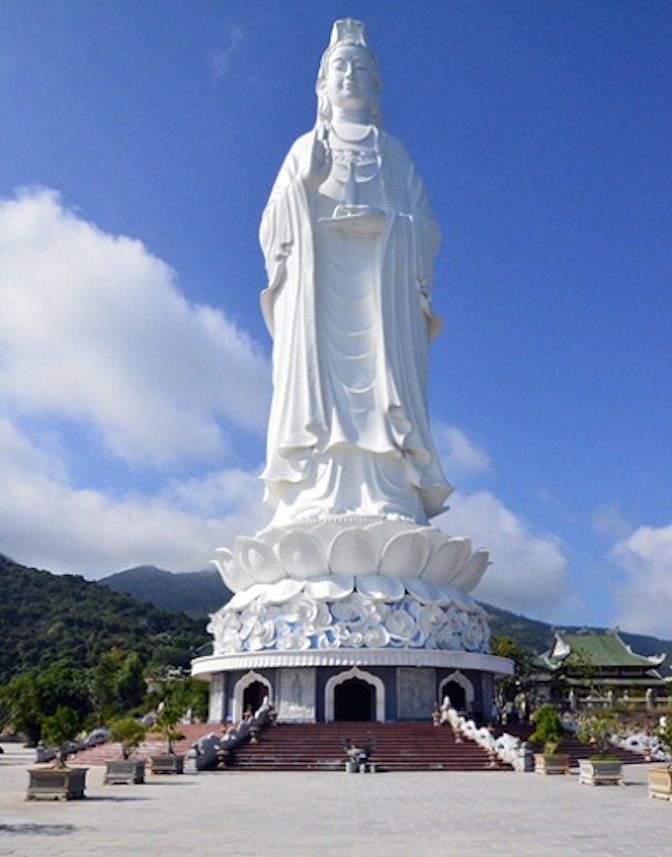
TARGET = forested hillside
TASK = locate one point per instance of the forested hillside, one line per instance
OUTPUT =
(47, 618)
(197, 593)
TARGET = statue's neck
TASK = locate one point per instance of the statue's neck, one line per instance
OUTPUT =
(352, 117)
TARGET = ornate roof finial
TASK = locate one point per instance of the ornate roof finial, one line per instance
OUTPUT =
(348, 31)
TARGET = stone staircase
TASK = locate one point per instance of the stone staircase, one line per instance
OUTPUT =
(399, 747)
(320, 747)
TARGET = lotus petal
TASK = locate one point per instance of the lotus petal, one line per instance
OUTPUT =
(302, 555)
(282, 591)
(380, 587)
(405, 555)
(386, 530)
(425, 591)
(471, 572)
(233, 574)
(243, 599)
(333, 588)
(354, 551)
(325, 532)
(444, 563)
(258, 559)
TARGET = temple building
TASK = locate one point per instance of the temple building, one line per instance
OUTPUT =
(598, 667)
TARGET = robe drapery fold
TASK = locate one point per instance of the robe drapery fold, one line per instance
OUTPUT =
(325, 434)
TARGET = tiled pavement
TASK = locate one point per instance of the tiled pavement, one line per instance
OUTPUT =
(230, 813)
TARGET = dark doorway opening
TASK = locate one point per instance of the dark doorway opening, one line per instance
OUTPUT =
(456, 694)
(253, 696)
(354, 700)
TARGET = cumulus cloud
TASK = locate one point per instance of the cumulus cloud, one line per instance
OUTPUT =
(107, 371)
(528, 574)
(47, 522)
(459, 455)
(94, 328)
(645, 596)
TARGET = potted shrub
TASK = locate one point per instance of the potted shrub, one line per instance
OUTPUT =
(169, 762)
(129, 732)
(549, 731)
(602, 768)
(58, 782)
(660, 779)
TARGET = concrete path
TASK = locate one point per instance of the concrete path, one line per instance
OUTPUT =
(227, 814)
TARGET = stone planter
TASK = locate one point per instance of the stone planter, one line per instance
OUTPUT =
(128, 771)
(551, 763)
(168, 763)
(56, 783)
(601, 772)
(660, 783)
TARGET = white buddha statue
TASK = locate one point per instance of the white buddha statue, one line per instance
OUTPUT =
(349, 242)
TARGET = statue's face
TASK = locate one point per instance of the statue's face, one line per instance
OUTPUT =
(350, 78)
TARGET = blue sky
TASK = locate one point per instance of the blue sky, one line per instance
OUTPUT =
(138, 144)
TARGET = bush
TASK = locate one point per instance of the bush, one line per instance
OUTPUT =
(549, 730)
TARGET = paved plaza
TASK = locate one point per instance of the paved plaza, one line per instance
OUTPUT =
(240, 813)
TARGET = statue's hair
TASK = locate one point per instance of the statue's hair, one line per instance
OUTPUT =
(324, 112)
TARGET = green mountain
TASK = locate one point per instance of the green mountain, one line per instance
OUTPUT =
(47, 617)
(197, 593)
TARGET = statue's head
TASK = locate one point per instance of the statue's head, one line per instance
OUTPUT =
(348, 50)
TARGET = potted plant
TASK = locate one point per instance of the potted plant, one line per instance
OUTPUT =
(602, 768)
(549, 731)
(169, 762)
(660, 779)
(129, 732)
(58, 782)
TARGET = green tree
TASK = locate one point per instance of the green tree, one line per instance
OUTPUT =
(523, 660)
(59, 728)
(21, 698)
(131, 686)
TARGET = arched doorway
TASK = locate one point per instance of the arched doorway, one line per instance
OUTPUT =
(253, 696)
(456, 694)
(460, 690)
(249, 692)
(354, 694)
(354, 700)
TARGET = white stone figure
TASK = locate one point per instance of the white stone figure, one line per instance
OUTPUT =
(349, 561)
(349, 242)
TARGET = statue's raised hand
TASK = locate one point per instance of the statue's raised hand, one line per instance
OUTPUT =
(317, 169)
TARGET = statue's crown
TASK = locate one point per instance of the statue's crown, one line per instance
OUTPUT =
(348, 31)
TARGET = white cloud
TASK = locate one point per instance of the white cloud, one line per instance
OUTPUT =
(609, 520)
(94, 328)
(528, 573)
(107, 371)
(221, 60)
(47, 523)
(459, 455)
(645, 598)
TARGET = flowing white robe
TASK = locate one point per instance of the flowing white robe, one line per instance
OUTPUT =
(350, 318)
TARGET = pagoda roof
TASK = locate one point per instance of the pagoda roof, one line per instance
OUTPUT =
(605, 649)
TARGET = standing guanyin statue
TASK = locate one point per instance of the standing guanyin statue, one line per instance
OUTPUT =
(349, 242)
